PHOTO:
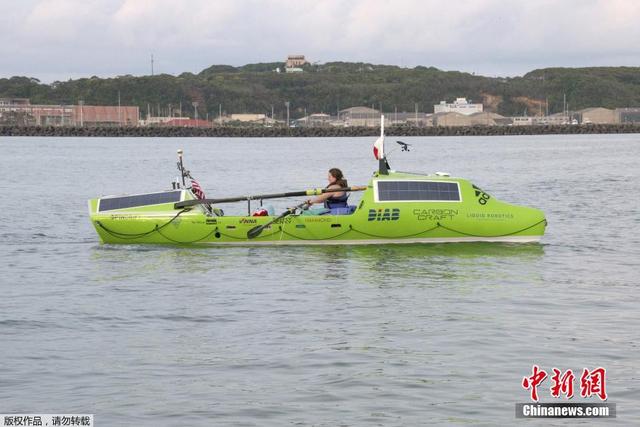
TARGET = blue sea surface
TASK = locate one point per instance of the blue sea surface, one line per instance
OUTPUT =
(389, 335)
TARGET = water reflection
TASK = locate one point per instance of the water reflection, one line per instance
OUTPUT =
(390, 265)
(365, 264)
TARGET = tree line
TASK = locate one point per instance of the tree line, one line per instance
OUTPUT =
(330, 87)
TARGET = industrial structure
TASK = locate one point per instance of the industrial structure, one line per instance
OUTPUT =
(21, 111)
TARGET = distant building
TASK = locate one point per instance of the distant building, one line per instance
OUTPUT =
(460, 105)
(5, 102)
(597, 115)
(98, 115)
(316, 120)
(70, 115)
(52, 115)
(452, 119)
(561, 118)
(522, 121)
(158, 120)
(553, 119)
(359, 116)
(246, 118)
(628, 115)
(295, 61)
(484, 118)
(489, 119)
(186, 122)
(419, 119)
(293, 70)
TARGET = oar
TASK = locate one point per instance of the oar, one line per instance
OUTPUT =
(255, 231)
(312, 192)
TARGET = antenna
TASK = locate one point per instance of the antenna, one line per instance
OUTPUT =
(183, 172)
(152, 64)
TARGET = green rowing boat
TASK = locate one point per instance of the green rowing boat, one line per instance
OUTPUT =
(395, 207)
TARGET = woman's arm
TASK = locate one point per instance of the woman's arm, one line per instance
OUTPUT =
(323, 197)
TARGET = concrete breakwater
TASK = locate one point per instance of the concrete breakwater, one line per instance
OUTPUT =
(266, 132)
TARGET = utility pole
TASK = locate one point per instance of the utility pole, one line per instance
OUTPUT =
(416, 114)
(540, 107)
(547, 106)
(287, 105)
(272, 120)
(220, 113)
(81, 102)
(152, 64)
(195, 110)
(119, 115)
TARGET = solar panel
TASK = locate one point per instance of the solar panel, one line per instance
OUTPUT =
(112, 203)
(393, 191)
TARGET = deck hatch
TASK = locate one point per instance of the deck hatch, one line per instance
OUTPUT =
(112, 203)
(409, 191)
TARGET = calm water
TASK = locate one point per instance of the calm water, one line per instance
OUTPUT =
(386, 335)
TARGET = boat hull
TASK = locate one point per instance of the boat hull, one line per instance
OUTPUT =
(470, 219)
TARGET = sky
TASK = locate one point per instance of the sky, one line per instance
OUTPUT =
(61, 39)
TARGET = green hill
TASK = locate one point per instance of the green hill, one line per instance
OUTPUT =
(254, 88)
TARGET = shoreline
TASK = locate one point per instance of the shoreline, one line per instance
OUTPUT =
(275, 132)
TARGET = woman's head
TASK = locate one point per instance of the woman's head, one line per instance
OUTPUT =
(335, 177)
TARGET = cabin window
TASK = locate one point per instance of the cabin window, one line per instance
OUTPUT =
(411, 191)
(112, 203)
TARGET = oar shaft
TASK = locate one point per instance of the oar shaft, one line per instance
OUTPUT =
(312, 192)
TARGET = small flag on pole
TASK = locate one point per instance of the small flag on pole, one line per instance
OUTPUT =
(378, 146)
(197, 190)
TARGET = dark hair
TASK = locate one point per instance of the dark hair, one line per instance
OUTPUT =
(337, 174)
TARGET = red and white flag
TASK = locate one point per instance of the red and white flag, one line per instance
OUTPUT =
(197, 190)
(378, 146)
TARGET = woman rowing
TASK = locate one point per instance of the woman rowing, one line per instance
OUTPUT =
(336, 199)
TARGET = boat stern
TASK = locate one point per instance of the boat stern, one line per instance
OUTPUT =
(137, 218)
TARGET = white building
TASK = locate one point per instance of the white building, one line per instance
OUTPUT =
(460, 105)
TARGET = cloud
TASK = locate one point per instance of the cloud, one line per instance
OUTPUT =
(496, 37)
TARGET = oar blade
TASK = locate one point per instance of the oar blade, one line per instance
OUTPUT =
(255, 232)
